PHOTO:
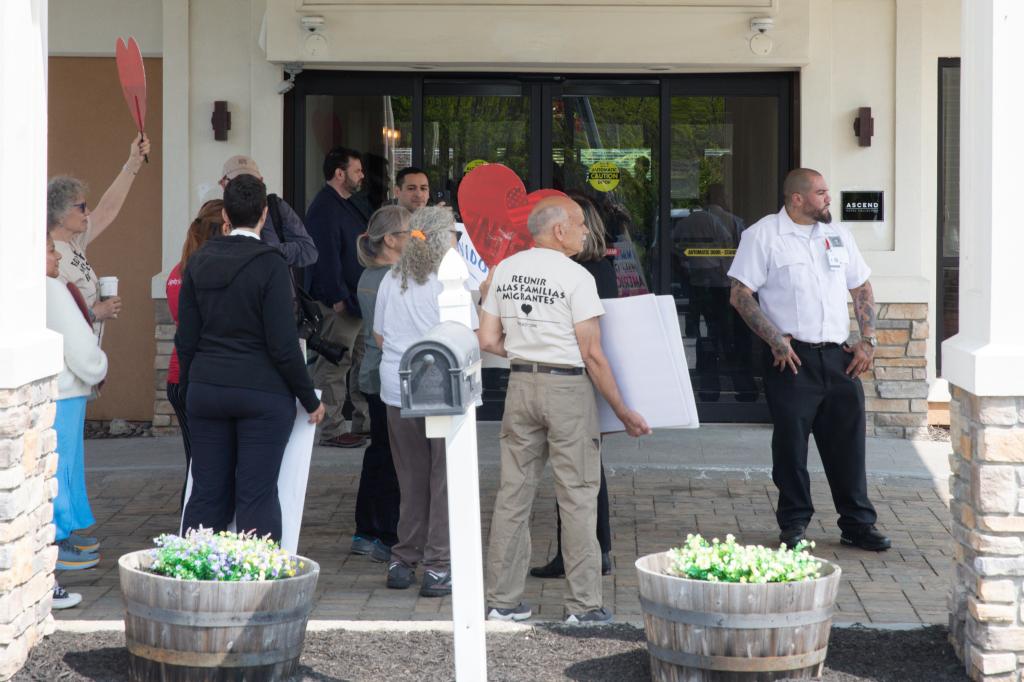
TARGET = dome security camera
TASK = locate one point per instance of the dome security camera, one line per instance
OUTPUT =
(762, 24)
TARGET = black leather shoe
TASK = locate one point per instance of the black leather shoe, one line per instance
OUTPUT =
(867, 538)
(606, 564)
(552, 569)
(791, 537)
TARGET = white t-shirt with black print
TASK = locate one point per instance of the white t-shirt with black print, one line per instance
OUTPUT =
(540, 295)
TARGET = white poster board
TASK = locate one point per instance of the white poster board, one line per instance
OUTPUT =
(642, 340)
(291, 481)
(474, 263)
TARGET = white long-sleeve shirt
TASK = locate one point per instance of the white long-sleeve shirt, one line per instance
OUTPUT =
(85, 364)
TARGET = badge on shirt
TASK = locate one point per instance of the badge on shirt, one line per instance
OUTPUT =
(836, 252)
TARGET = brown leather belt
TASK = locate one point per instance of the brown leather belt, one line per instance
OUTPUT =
(536, 367)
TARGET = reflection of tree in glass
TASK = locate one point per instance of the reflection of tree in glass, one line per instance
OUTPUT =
(698, 124)
(458, 130)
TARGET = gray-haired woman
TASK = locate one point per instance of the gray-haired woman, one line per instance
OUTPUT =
(406, 309)
(377, 501)
(73, 226)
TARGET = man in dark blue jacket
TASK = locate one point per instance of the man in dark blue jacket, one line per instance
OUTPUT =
(335, 222)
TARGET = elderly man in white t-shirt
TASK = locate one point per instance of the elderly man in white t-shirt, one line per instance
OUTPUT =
(541, 311)
(802, 268)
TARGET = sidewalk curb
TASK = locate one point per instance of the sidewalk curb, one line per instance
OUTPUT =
(401, 626)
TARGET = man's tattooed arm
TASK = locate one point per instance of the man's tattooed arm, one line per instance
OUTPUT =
(864, 308)
(742, 299)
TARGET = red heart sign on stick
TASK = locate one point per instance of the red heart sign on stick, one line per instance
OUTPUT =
(495, 206)
(132, 74)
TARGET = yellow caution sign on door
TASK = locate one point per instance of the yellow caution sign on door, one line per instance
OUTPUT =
(709, 253)
(603, 176)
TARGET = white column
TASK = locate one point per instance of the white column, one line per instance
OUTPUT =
(987, 357)
(459, 433)
(28, 351)
(177, 172)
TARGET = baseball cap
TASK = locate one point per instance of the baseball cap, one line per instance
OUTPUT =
(240, 165)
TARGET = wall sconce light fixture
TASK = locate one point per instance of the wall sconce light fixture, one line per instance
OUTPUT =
(864, 126)
(221, 120)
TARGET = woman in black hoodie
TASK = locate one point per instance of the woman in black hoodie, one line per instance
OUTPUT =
(241, 369)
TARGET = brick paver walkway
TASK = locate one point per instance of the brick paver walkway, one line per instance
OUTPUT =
(651, 510)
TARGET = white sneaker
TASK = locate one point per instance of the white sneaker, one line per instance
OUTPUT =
(62, 599)
(519, 612)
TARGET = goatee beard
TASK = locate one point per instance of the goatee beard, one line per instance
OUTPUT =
(823, 217)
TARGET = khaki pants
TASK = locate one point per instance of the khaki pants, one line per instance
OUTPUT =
(423, 482)
(341, 380)
(547, 417)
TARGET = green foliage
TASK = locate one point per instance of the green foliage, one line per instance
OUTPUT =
(228, 557)
(729, 562)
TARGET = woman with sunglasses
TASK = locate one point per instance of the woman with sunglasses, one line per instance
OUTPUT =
(73, 226)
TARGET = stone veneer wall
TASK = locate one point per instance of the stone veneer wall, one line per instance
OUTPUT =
(28, 462)
(896, 388)
(986, 622)
(165, 422)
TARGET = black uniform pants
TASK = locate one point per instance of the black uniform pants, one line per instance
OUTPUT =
(821, 400)
(238, 441)
(378, 499)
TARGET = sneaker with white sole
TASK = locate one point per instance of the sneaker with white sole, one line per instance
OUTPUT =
(436, 584)
(380, 553)
(70, 558)
(400, 576)
(84, 543)
(519, 612)
(599, 616)
(62, 599)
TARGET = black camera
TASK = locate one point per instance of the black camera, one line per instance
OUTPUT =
(311, 324)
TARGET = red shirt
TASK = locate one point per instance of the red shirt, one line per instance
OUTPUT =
(173, 289)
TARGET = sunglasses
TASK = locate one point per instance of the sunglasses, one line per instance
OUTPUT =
(81, 207)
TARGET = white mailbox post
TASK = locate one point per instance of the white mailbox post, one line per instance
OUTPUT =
(459, 433)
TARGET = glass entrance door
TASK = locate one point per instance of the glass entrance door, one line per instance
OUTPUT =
(678, 167)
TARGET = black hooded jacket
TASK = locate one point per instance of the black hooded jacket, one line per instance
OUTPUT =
(236, 321)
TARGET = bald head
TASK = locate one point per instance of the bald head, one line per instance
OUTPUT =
(547, 213)
(798, 181)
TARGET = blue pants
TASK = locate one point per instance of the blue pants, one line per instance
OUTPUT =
(71, 509)
(238, 440)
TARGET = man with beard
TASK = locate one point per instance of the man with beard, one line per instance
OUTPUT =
(801, 267)
(334, 222)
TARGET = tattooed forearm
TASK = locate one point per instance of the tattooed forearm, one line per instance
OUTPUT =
(864, 308)
(742, 299)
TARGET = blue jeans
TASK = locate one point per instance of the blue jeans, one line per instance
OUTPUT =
(71, 509)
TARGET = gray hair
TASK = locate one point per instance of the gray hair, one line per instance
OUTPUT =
(421, 257)
(61, 193)
(386, 220)
(541, 221)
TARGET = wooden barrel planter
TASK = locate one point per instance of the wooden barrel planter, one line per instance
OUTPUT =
(192, 630)
(699, 631)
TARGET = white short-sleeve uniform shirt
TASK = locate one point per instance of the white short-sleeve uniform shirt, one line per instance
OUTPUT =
(802, 275)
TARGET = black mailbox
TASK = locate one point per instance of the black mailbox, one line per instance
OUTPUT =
(440, 373)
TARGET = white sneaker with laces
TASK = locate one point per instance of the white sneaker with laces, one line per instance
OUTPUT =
(62, 599)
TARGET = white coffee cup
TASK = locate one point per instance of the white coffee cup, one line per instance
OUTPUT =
(108, 287)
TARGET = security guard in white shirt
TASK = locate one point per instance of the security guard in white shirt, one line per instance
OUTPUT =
(801, 268)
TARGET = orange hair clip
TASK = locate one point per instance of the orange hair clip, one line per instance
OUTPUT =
(419, 235)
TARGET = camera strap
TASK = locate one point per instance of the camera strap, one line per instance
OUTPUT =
(305, 305)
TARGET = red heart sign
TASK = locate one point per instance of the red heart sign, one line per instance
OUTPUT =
(495, 206)
(133, 79)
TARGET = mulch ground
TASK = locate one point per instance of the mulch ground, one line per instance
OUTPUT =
(614, 653)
